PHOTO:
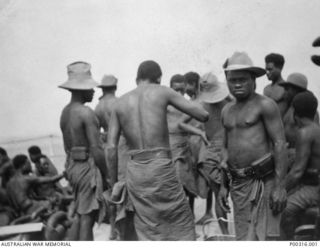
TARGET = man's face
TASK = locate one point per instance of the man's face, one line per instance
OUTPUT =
(179, 87)
(241, 84)
(272, 72)
(88, 95)
(191, 89)
(33, 157)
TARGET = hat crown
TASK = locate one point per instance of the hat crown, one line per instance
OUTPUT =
(240, 58)
(298, 79)
(108, 80)
(209, 81)
(79, 70)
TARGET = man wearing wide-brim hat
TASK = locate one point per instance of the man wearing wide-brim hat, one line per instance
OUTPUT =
(257, 158)
(213, 96)
(85, 165)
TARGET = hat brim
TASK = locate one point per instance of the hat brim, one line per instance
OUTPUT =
(257, 71)
(106, 86)
(86, 84)
(316, 59)
(291, 84)
(213, 96)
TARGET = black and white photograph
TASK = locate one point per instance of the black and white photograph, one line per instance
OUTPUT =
(159, 120)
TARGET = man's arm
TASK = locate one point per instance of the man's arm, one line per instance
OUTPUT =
(193, 130)
(41, 180)
(303, 151)
(191, 108)
(111, 149)
(275, 130)
(92, 132)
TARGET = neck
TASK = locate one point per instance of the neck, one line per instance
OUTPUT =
(247, 99)
(76, 97)
(278, 80)
(306, 122)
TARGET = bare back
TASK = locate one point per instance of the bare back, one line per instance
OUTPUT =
(73, 125)
(142, 115)
(276, 93)
(103, 110)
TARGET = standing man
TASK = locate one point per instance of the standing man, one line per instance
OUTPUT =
(108, 98)
(85, 166)
(257, 158)
(213, 96)
(274, 65)
(302, 181)
(161, 208)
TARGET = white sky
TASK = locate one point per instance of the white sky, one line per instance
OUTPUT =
(39, 38)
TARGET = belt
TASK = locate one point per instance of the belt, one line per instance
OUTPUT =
(257, 170)
(150, 154)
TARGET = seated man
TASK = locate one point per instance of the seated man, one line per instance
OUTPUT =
(19, 186)
(302, 180)
(35, 154)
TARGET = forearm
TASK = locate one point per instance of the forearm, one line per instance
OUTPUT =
(112, 162)
(190, 129)
(100, 161)
(281, 163)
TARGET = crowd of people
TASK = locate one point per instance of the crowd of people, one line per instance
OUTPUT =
(141, 159)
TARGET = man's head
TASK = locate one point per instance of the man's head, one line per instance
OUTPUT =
(178, 84)
(108, 83)
(274, 64)
(34, 153)
(42, 164)
(149, 71)
(3, 156)
(295, 84)
(192, 83)
(241, 83)
(22, 163)
(305, 105)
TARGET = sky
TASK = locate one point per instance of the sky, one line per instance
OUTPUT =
(39, 38)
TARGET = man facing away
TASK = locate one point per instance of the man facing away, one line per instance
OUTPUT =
(213, 96)
(161, 208)
(85, 165)
(257, 159)
(302, 181)
(274, 65)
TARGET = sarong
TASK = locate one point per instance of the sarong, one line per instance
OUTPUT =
(161, 208)
(253, 217)
(182, 159)
(210, 158)
(86, 182)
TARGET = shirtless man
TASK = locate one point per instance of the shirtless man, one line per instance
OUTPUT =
(302, 181)
(179, 142)
(20, 185)
(161, 208)
(213, 96)
(274, 65)
(253, 131)
(85, 165)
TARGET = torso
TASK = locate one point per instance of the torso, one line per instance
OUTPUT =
(72, 125)
(276, 93)
(142, 114)
(247, 139)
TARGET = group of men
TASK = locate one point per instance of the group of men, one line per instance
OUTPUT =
(159, 150)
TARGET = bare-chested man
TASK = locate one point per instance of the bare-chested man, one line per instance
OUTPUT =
(274, 65)
(85, 166)
(20, 185)
(302, 181)
(213, 96)
(179, 142)
(161, 208)
(257, 159)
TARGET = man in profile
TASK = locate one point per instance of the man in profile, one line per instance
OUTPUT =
(85, 166)
(161, 208)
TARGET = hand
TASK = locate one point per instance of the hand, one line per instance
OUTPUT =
(278, 199)
(204, 138)
(223, 199)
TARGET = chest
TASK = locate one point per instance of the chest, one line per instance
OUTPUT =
(241, 117)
